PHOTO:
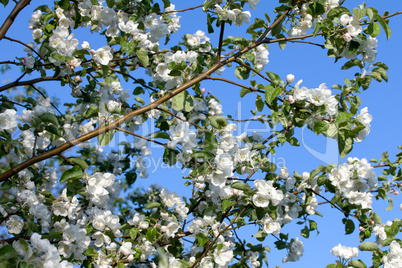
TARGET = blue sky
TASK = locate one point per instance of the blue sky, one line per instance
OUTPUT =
(306, 62)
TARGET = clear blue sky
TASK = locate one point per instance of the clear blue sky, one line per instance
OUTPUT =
(306, 62)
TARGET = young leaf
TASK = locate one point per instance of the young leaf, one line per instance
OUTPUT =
(71, 174)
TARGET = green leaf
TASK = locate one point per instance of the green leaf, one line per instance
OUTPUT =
(305, 232)
(227, 203)
(110, 3)
(202, 239)
(92, 111)
(7, 252)
(349, 226)
(4, 2)
(337, 12)
(133, 233)
(356, 264)
(374, 29)
(271, 93)
(71, 174)
(170, 156)
(244, 91)
(77, 161)
(368, 246)
(183, 101)
(24, 245)
(259, 103)
(151, 234)
(152, 205)
(140, 100)
(64, 4)
(121, 265)
(210, 141)
(49, 118)
(142, 56)
(243, 187)
(320, 127)
(345, 143)
(376, 218)
(160, 135)
(384, 25)
(390, 204)
(343, 117)
(353, 47)
(106, 137)
(242, 72)
(218, 121)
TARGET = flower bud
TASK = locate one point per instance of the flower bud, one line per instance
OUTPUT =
(77, 79)
(93, 51)
(209, 92)
(291, 99)
(290, 78)
(372, 222)
(396, 193)
(203, 91)
(235, 192)
(361, 228)
(347, 37)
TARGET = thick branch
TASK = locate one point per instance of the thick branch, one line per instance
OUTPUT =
(10, 19)
(29, 82)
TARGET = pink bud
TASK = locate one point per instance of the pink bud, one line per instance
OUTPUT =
(77, 79)
(372, 222)
(235, 192)
(92, 51)
(291, 99)
(24, 61)
(209, 92)
(396, 193)
(203, 91)
(361, 228)
(347, 37)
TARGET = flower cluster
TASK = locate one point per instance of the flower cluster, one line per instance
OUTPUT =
(354, 179)
(317, 96)
(344, 252)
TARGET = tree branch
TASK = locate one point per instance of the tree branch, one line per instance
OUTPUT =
(25, 45)
(29, 82)
(218, 57)
(10, 19)
(139, 136)
(252, 69)
(234, 83)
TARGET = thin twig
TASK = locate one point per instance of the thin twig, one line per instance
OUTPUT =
(22, 43)
(234, 83)
(142, 137)
(133, 78)
(181, 10)
(43, 95)
(254, 70)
